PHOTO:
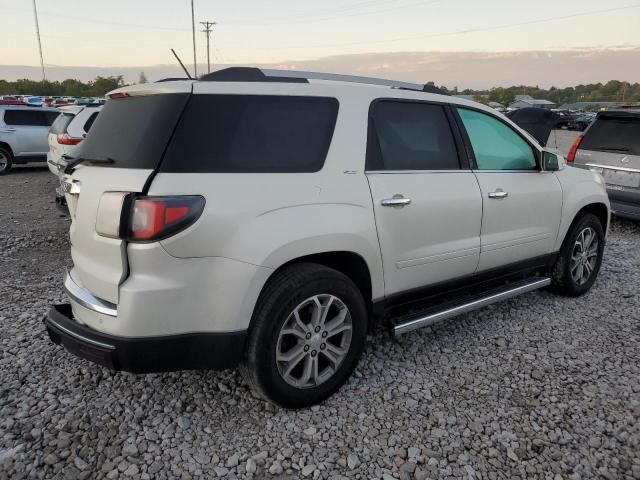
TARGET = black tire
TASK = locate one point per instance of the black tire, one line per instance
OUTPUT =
(284, 293)
(562, 280)
(5, 166)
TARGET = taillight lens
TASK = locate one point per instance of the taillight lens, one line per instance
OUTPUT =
(66, 139)
(108, 219)
(155, 218)
(571, 156)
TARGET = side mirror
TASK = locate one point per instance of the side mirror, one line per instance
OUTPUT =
(550, 162)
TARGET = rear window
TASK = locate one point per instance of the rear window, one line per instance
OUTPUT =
(134, 131)
(61, 123)
(252, 134)
(613, 134)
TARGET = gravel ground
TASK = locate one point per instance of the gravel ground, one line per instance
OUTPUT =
(536, 387)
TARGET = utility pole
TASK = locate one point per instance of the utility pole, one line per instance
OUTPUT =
(193, 34)
(207, 31)
(35, 14)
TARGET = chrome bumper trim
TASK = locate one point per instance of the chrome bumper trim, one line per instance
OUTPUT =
(86, 299)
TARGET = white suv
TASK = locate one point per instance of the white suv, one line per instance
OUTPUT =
(266, 219)
(67, 133)
(65, 139)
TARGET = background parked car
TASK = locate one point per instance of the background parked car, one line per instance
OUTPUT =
(581, 121)
(66, 135)
(23, 134)
(611, 145)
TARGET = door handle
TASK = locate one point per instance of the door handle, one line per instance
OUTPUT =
(499, 193)
(9, 129)
(395, 201)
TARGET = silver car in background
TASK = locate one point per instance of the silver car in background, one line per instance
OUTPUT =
(611, 146)
(23, 134)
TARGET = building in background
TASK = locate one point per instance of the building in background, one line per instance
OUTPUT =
(524, 101)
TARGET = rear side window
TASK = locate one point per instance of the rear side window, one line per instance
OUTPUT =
(613, 134)
(134, 131)
(62, 122)
(89, 122)
(410, 136)
(252, 134)
(33, 118)
(496, 146)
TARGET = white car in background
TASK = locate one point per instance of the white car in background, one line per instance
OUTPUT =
(67, 132)
(65, 138)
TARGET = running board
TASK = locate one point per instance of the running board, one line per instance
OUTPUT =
(452, 309)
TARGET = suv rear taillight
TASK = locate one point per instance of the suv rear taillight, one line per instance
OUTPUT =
(66, 139)
(155, 218)
(571, 156)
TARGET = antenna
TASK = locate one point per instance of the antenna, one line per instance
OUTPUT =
(181, 64)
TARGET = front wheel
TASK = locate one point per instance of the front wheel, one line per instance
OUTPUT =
(308, 333)
(580, 258)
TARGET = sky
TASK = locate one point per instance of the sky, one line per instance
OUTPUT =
(128, 33)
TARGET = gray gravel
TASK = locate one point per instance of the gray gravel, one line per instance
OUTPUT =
(537, 387)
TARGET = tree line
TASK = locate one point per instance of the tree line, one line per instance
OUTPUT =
(612, 91)
(66, 88)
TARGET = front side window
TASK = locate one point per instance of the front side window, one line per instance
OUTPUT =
(410, 136)
(496, 146)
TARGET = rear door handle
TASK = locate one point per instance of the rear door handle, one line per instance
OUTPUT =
(499, 193)
(395, 201)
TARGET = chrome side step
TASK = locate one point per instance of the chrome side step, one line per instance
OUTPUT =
(452, 310)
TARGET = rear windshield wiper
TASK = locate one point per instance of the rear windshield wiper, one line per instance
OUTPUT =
(72, 165)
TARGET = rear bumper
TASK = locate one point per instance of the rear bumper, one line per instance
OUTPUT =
(192, 351)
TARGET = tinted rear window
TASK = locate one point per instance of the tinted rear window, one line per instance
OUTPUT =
(251, 134)
(32, 118)
(614, 134)
(134, 131)
(61, 123)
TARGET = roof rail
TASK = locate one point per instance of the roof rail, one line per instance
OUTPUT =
(252, 74)
(172, 79)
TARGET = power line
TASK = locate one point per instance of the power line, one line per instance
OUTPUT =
(35, 14)
(208, 28)
(456, 32)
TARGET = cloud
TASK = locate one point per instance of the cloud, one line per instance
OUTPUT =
(545, 68)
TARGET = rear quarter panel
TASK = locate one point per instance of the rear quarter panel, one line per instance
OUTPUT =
(270, 219)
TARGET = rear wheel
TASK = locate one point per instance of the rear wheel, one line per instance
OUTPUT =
(6, 161)
(308, 333)
(580, 258)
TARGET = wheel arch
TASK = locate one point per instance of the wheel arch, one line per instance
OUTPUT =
(599, 209)
(8, 147)
(349, 263)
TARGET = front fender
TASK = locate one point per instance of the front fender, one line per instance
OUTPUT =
(580, 188)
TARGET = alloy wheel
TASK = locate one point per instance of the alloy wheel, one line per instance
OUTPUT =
(314, 341)
(584, 256)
